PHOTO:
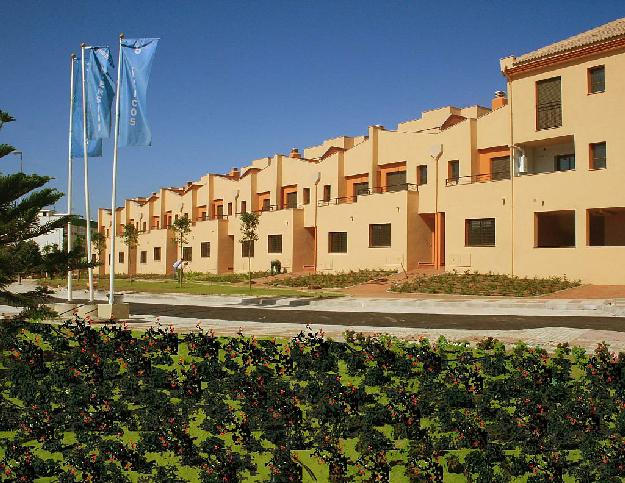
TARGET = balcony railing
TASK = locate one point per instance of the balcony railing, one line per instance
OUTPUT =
(267, 208)
(478, 178)
(369, 191)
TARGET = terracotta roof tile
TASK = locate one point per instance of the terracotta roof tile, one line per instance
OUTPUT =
(608, 31)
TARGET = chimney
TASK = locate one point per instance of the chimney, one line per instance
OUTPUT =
(295, 154)
(234, 173)
(499, 100)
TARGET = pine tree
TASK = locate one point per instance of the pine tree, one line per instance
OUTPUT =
(22, 196)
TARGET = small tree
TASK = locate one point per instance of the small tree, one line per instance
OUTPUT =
(181, 227)
(130, 238)
(249, 225)
(99, 243)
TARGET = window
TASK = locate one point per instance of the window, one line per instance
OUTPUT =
(337, 242)
(605, 227)
(274, 244)
(143, 257)
(422, 174)
(291, 200)
(327, 192)
(500, 168)
(205, 249)
(157, 254)
(480, 233)
(453, 170)
(548, 103)
(145, 226)
(306, 193)
(229, 208)
(120, 257)
(266, 205)
(187, 254)
(380, 235)
(361, 188)
(396, 181)
(220, 211)
(565, 162)
(243, 206)
(596, 79)
(555, 229)
(598, 156)
(247, 249)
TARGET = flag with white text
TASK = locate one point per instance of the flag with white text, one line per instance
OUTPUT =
(136, 63)
(94, 148)
(100, 91)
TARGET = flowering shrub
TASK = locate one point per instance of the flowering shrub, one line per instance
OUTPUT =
(86, 404)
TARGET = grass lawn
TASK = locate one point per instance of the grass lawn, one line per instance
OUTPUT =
(190, 287)
(489, 284)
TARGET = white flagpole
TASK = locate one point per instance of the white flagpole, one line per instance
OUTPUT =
(86, 156)
(69, 173)
(114, 190)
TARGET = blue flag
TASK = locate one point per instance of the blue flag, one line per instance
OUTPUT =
(137, 56)
(100, 91)
(94, 148)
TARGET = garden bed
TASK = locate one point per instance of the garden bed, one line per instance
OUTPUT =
(85, 404)
(332, 280)
(489, 284)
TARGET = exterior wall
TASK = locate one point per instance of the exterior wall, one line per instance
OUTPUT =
(355, 218)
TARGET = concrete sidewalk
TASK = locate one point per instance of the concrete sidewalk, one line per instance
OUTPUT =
(457, 305)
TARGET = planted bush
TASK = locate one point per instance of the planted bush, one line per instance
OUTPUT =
(474, 283)
(332, 280)
(84, 404)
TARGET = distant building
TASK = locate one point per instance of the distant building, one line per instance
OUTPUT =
(530, 186)
(58, 236)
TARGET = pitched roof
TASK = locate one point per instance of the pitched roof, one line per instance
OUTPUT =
(604, 32)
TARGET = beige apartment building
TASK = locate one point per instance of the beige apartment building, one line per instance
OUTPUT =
(534, 185)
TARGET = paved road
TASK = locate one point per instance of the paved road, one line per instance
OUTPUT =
(372, 319)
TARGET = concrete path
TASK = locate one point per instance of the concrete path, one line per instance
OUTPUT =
(457, 305)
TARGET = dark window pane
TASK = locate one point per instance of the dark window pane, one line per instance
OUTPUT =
(187, 254)
(599, 154)
(337, 242)
(565, 162)
(500, 168)
(291, 200)
(205, 249)
(597, 79)
(480, 232)
(274, 244)
(380, 235)
(157, 253)
(396, 181)
(422, 174)
(247, 249)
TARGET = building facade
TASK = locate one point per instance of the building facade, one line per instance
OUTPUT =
(530, 186)
(58, 236)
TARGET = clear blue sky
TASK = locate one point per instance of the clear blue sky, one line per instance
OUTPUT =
(237, 80)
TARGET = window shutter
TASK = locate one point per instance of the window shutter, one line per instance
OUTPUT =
(549, 103)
